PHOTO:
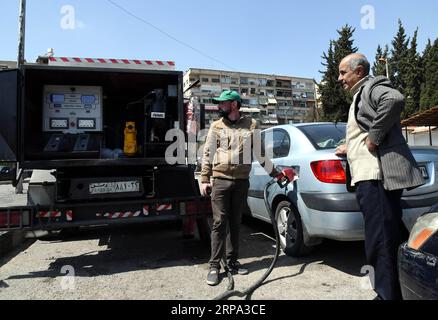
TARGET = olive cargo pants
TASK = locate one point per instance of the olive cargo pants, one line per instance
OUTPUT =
(228, 198)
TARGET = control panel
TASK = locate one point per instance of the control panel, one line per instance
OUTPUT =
(72, 109)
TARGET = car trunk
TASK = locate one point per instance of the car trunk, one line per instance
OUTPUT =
(427, 159)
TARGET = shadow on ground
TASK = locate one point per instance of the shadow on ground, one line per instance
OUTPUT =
(161, 245)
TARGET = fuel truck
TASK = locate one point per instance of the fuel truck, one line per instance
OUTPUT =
(93, 132)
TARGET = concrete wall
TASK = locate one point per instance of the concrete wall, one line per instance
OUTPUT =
(422, 139)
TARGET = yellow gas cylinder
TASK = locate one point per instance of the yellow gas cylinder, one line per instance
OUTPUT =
(130, 148)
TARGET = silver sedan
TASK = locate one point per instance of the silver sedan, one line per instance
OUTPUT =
(318, 205)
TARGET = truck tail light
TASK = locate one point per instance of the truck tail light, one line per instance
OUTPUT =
(12, 219)
(329, 171)
(193, 207)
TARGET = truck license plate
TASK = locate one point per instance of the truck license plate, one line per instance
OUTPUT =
(115, 187)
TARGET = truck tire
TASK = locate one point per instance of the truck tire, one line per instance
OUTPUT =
(290, 228)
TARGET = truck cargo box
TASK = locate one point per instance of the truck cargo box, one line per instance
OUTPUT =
(88, 117)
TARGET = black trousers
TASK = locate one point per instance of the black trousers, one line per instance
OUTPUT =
(384, 233)
(228, 199)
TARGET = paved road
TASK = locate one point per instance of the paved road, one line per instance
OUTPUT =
(154, 262)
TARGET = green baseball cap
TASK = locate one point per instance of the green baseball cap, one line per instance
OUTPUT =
(228, 95)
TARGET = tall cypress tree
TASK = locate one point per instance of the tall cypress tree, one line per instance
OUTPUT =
(412, 79)
(335, 101)
(329, 84)
(379, 67)
(398, 60)
(429, 92)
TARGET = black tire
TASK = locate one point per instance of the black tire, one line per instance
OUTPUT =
(290, 228)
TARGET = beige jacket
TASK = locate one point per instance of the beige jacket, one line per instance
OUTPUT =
(364, 165)
(228, 151)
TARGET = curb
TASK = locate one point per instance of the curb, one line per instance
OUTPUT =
(10, 240)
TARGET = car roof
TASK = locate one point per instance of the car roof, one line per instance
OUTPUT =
(304, 125)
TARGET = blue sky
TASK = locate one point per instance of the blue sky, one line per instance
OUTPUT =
(276, 37)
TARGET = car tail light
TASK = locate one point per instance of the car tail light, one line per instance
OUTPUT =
(425, 228)
(329, 171)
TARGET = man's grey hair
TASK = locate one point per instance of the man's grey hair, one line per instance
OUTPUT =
(360, 60)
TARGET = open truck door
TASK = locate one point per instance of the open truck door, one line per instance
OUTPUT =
(8, 124)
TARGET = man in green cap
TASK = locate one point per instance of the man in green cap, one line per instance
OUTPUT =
(228, 155)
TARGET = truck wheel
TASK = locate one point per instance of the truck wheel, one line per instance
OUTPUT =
(290, 228)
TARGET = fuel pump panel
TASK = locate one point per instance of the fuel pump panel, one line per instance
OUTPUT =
(72, 109)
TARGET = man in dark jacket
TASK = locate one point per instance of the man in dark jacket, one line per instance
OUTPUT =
(381, 165)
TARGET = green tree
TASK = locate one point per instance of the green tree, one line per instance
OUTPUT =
(398, 59)
(429, 92)
(335, 101)
(412, 79)
(379, 67)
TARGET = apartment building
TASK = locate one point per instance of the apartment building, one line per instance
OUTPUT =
(272, 99)
(8, 65)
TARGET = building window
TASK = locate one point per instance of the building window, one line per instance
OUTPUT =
(253, 91)
(226, 79)
(296, 95)
(235, 89)
(310, 95)
(244, 80)
(263, 82)
(234, 81)
(215, 80)
(270, 83)
(298, 85)
(204, 79)
(244, 91)
(253, 102)
(303, 105)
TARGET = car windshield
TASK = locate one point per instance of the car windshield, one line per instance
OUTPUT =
(326, 136)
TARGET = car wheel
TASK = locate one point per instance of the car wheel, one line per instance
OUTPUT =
(290, 229)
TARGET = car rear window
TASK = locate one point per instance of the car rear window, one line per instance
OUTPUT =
(326, 136)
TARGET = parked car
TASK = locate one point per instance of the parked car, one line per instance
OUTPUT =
(418, 259)
(6, 174)
(319, 205)
(5, 170)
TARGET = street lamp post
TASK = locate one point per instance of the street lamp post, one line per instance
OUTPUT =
(385, 60)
